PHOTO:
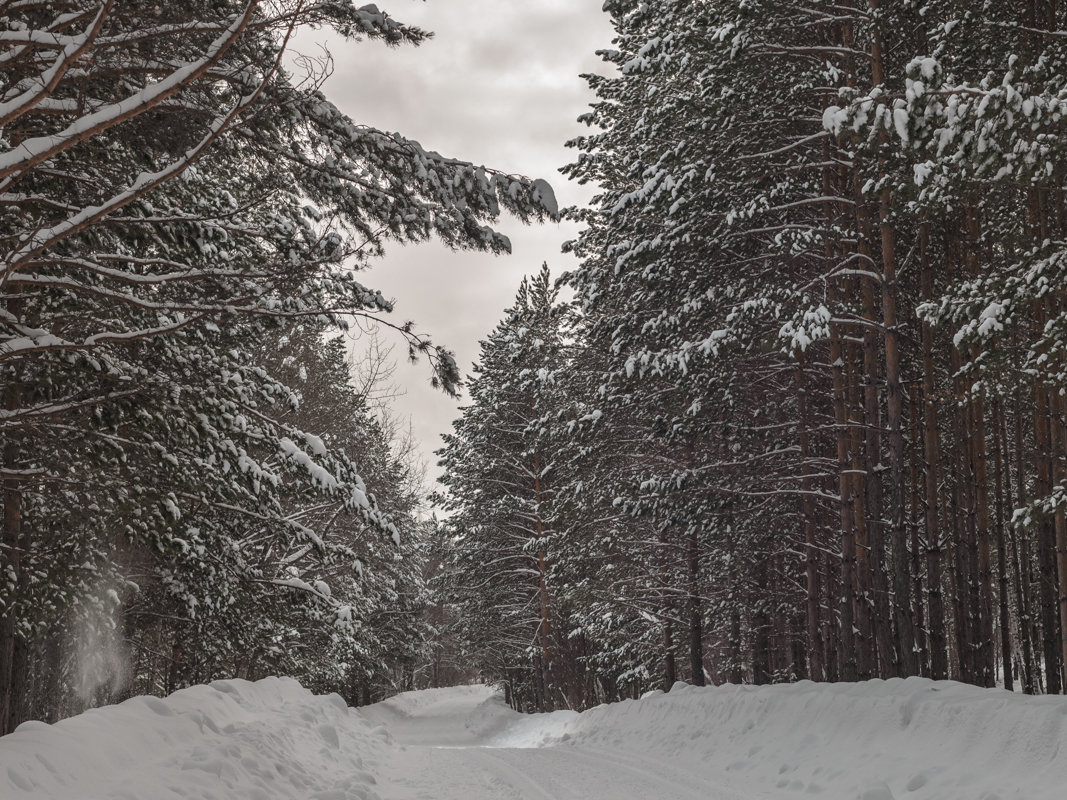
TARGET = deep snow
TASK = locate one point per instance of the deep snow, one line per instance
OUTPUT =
(881, 740)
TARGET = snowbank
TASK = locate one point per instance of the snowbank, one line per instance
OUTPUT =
(473, 716)
(497, 725)
(427, 701)
(232, 739)
(879, 740)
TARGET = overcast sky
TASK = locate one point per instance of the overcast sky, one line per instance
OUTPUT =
(497, 85)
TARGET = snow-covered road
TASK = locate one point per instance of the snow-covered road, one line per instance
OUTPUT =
(273, 740)
(463, 743)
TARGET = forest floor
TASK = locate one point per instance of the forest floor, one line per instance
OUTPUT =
(880, 740)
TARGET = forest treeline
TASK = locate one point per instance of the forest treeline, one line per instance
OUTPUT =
(805, 415)
(801, 413)
(193, 485)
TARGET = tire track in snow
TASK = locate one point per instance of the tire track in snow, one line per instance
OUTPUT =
(501, 770)
(681, 779)
(558, 773)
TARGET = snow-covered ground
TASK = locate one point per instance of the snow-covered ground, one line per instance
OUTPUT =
(887, 740)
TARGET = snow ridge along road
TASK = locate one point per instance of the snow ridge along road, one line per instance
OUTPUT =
(879, 740)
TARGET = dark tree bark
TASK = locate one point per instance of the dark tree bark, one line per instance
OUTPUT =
(808, 528)
(931, 452)
(846, 625)
(12, 545)
(1021, 553)
(696, 612)
(670, 671)
(922, 649)
(1046, 545)
(1002, 556)
(735, 672)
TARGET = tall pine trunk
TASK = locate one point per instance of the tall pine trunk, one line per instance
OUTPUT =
(904, 650)
(931, 452)
(1021, 547)
(1059, 440)
(696, 616)
(999, 508)
(12, 548)
(846, 594)
(1046, 533)
(547, 661)
(808, 522)
(922, 648)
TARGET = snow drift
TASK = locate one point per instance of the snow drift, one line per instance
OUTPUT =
(877, 740)
(880, 740)
(231, 739)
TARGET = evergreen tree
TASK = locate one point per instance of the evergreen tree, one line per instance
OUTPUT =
(500, 476)
(171, 198)
(813, 414)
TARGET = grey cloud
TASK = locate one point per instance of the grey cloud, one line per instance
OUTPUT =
(498, 85)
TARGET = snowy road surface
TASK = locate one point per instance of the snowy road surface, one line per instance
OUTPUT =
(462, 743)
(274, 740)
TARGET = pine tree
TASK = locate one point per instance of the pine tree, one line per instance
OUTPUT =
(144, 265)
(500, 476)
